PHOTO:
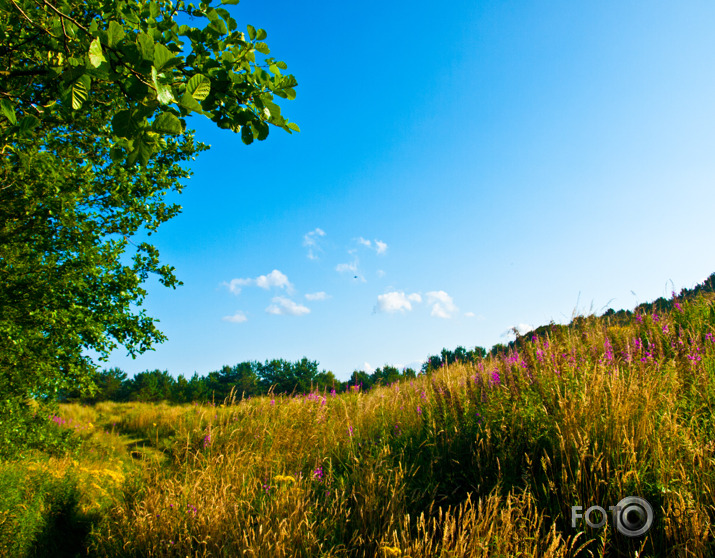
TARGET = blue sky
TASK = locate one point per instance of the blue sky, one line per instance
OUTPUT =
(463, 167)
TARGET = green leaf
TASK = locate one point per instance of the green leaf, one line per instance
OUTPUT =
(161, 55)
(167, 123)
(229, 1)
(262, 48)
(116, 154)
(8, 110)
(251, 32)
(293, 126)
(96, 57)
(163, 92)
(142, 151)
(123, 125)
(261, 34)
(246, 134)
(260, 130)
(188, 102)
(274, 68)
(80, 89)
(290, 93)
(199, 87)
(282, 65)
(287, 81)
(115, 33)
(28, 123)
(146, 46)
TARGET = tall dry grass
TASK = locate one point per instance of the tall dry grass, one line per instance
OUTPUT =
(483, 460)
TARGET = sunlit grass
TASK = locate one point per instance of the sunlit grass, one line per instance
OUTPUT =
(482, 460)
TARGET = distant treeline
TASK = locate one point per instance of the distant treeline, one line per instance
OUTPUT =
(250, 379)
(247, 379)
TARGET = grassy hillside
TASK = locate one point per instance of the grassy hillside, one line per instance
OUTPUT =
(471, 460)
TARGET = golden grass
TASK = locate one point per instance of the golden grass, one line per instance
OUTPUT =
(456, 464)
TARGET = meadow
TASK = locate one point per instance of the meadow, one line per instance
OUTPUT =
(483, 459)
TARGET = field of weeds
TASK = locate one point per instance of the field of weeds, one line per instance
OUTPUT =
(484, 460)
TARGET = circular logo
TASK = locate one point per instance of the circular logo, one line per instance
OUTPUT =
(634, 516)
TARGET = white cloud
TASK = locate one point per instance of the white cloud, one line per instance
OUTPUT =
(523, 329)
(274, 279)
(317, 296)
(284, 306)
(396, 301)
(237, 318)
(235, 285)
(380, 273)
(351, 268)
(310, 240)
(469, 314)
(343, 267)
(379, 246)
(367, 367)
(442, 304)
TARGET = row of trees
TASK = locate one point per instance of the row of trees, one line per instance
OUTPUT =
(245, 379)
(447, 357)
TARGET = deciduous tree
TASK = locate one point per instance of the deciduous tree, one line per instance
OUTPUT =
(95, 97)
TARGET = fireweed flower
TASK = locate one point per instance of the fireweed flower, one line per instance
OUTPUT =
(419, 410)
(495, 378)
(318, 473)
(609, 350)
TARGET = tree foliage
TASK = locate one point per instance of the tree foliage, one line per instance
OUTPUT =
(94, 101)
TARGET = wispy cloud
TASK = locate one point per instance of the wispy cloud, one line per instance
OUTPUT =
(234, 285)
(352, 268)
(284, 306)
(237, 318)
(310, 240)
(274, 279)
(379, 246)
(442, 304)
(469, 314)
(396, 301)
(317, 296)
